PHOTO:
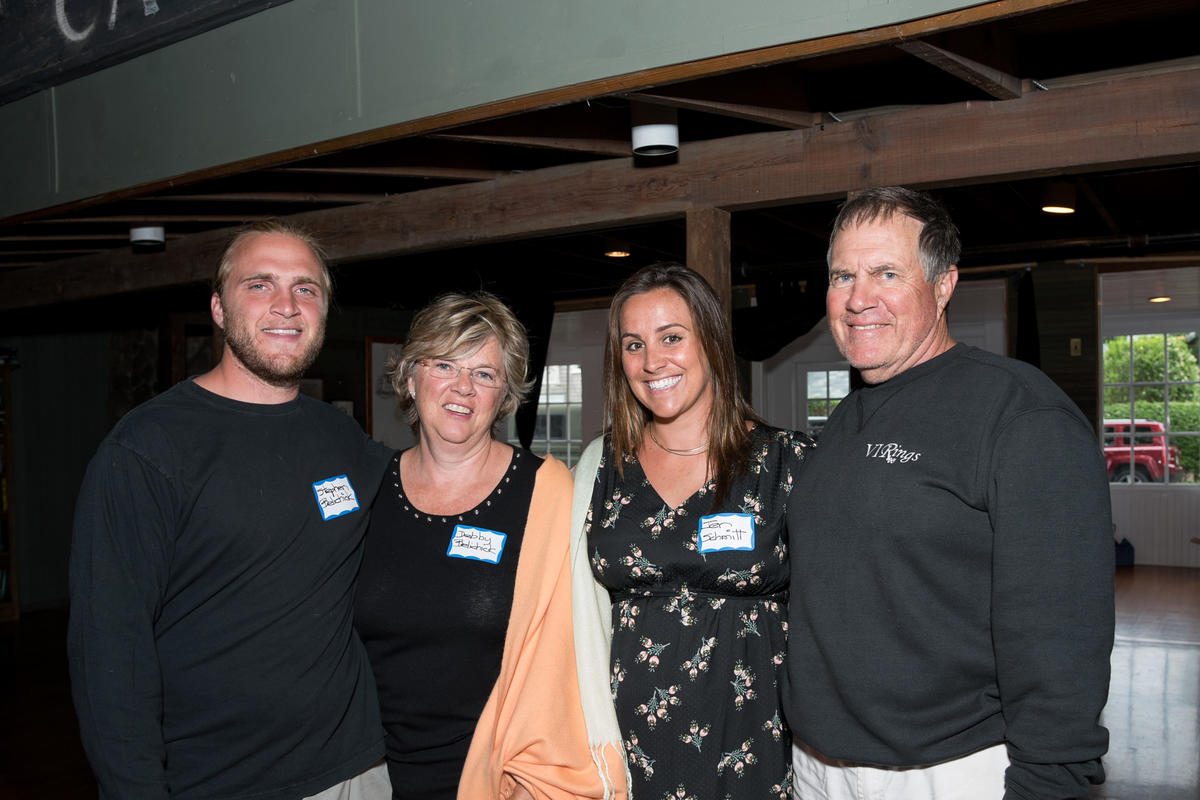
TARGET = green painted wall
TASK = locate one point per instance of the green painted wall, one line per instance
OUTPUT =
(311, 70)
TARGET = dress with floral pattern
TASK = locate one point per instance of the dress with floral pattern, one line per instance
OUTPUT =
(700, 638)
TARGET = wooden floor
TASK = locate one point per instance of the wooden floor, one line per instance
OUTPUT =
(1153, 710)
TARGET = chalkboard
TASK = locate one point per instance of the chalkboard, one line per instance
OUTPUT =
(47, 42)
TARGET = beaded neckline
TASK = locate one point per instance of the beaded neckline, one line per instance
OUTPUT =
(470, 513)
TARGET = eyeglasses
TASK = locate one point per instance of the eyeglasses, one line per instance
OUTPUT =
(482, 376)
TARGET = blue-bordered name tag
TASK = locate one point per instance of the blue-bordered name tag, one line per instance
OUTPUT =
(478, 544)
(726, 532)
(335, 497)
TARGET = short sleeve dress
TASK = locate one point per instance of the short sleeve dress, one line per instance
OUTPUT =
(699, 622)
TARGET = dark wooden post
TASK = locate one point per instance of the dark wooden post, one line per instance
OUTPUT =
(708, 249)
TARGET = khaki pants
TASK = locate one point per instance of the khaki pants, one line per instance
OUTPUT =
(370, 785)
(978, 776)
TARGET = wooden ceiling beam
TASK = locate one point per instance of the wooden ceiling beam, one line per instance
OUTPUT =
(620, 148)
(600, 87)
(1085, 189)
(415, 171)
(994, 82)
(148, 219)
(1125, 123)
(74, 237)
(1104, 76)
(267, 197)
(779, 117)
(73, 251)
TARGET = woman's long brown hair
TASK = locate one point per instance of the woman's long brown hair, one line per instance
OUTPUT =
(728, 437)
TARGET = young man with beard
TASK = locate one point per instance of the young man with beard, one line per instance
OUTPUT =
(951, 612)
(217, 537)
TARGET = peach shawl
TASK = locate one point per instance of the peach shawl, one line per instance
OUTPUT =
(532, 730)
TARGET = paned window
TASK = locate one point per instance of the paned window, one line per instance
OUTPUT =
(825, 389)
(559, 427)
(1152, 408)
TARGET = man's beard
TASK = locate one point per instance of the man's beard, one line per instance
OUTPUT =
(283, 371)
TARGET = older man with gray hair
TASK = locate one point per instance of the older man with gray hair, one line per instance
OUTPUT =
(951, 614)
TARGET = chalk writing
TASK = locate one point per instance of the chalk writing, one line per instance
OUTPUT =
(44, 43)
(73, 34)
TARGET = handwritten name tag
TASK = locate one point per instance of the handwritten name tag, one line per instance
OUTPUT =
(726, 532)
(478, 544)
(335, 497)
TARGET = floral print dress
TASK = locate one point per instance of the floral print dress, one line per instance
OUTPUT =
(699, 627)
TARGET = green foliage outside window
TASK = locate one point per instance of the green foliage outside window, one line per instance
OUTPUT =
(1180, 386)
(1148, 367)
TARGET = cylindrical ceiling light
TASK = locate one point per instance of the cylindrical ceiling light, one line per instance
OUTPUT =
(655, 130)
(149, 236)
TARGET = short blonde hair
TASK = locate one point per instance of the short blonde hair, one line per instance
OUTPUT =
(269, 226)
(456, 324)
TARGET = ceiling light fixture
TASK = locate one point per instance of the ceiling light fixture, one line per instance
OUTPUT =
(655, 130)
(613, 249)
(1162, 298)
(147, 237)
(1060, 198)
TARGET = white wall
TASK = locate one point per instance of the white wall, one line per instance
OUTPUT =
(1160, 521)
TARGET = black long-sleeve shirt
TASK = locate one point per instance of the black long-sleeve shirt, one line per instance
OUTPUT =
(952, 577)
(211, 647)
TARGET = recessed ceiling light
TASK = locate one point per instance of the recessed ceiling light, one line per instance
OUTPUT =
(617, 253)
(1162, 298)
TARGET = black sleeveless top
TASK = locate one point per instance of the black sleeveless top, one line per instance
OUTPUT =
(432, 610)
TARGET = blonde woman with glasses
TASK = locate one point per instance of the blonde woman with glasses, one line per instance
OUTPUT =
(463, 600)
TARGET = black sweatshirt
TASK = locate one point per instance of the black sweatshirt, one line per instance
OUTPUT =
(211, 648)
(952, 577)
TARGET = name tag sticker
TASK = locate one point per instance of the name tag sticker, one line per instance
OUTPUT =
(726, 532)
(477, 544)
(335, 497)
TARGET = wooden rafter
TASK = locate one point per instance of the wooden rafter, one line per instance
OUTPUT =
(148, 219)
(600, 147)
(632, 82)
(414, 171)
(1124, 123)
(994, 82)
(779, 117)
(267, 197)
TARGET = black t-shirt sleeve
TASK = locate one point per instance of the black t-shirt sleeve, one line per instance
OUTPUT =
(119, 560)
